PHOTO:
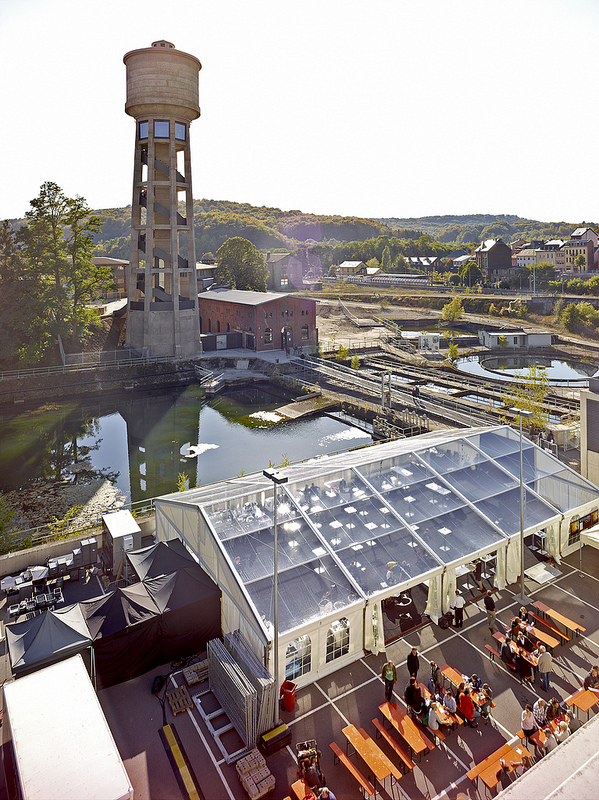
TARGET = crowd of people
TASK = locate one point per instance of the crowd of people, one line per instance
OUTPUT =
(473, 698)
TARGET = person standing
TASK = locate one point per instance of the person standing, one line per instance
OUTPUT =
(490, 606)
(458, 607)
(413, 663)
(529, 725)
(389, 675)
(544, 667)
(539, 711)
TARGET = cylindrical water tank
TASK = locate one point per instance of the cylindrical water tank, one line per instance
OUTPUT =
(162, 81)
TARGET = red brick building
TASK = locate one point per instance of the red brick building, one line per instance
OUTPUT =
(265, 320)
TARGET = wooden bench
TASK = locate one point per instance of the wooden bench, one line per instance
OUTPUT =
(404, 757)
(495, 654)
(338, 755)
(549, 625)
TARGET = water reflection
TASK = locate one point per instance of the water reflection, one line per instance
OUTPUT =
(144, 442)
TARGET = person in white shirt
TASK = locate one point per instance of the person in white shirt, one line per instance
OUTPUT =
(434, 722)
(563, 732)
(458, 607)
(550, 742)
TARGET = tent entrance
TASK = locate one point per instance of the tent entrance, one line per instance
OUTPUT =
(404, 612)
(590, 536)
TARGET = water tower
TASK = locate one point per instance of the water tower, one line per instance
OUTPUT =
(162, 294)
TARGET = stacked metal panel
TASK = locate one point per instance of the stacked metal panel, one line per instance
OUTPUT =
(233, 690)
(258, 675)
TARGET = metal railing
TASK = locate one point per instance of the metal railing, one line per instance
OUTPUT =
(31, 537)
(62, 369)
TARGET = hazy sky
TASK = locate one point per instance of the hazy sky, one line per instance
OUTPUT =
(384, 108)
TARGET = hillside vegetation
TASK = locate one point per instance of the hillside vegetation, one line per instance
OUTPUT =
(477, 227)
(267, 228)
(274, 229)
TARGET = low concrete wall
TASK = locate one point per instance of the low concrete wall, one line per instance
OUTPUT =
(14, 563)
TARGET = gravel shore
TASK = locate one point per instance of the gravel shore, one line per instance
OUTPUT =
(41, 503)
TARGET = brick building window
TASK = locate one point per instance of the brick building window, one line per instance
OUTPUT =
(305, 332)
(267, 335)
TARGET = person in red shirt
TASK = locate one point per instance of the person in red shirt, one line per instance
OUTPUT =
(467, 707)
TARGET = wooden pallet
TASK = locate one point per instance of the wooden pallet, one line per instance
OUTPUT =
(179, 700)
(196, 673)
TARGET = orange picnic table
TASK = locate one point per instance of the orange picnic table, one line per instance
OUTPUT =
(489, 770)
(548, 640)
(372, 755)
(452, 675)
(415, 738)
(568, 624)
(500, 637)
(583, 699)
(512, 758)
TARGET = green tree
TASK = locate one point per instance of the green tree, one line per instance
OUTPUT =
(453, 352)
(529, 391)
(57, 254)
(240, 264)
(342, 353)
(386, 263)
(355, 362)
(569, 317)
(470, 273)
(580, 262)
(85, 280)
(453, 311)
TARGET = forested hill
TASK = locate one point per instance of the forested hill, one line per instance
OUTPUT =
(274, 229)
(267, 228)
(477, 227)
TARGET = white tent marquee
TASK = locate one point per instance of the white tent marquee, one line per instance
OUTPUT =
(429, 504)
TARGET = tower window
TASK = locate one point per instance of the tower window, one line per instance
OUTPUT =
(180, 131)
(143, 130)
(161, 128)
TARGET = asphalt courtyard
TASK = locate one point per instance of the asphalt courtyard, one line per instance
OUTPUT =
(353, 694)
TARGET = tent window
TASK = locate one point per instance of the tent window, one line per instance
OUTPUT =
(578, 524)
(337, 640)
(298, 658)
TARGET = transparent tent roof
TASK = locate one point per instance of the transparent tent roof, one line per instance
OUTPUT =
(406, 508)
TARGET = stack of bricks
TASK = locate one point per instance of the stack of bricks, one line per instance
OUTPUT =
(255, 777)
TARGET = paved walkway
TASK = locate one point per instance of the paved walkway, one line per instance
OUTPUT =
(352, 695)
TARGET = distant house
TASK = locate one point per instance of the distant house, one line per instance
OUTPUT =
(579, 247)
(459, 262)
(424, 263)
(551, 252)
(205, 275)
(494, 259)
(119, 273)
(585, 235)
(514, 338)
(351, 268)
(258, 321)
(526, 258)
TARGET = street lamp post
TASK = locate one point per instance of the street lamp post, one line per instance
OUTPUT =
(277, 479)
(521, 413)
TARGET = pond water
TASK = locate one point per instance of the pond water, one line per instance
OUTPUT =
(574, 373)
(142, 443)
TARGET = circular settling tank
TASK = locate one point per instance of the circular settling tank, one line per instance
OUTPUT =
(513, 368)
